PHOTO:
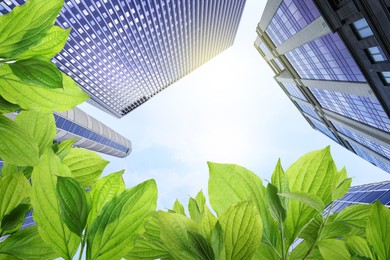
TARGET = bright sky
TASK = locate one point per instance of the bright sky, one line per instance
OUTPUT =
(230, 110)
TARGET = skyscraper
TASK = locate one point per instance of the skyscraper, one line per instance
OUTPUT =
(331, 58)
(124, 52)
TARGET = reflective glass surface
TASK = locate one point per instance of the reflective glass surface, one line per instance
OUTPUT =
(372, 159)
(263, 47)
(385, 75)
(293, 90)
(326, 58)
(376, 54)
(280, 65)
(291, 17)
(363, 109)
(362, 28)
(369, 143)
(309, 110)
(65, 124)
(122, 53)
(322, 128)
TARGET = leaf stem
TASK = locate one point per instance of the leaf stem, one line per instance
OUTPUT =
(84, 238)
(319, 232)
(281, 227)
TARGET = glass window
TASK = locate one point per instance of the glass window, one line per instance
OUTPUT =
(376, 54)
(371, 197)
(326, 58)
(264, 48)
(385, 198)
(293, 90)
(362, 28)
(372, 159)
(309, 110)
(385, 75)
(322, 128)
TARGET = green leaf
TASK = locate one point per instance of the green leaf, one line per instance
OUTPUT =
(7, 107)
(114, 231)
(341, 189)
(241, 226)
(14, 189)
(313, 173)
(179, 208)
(64, 148)
(12, 221)
(194, 210)
(308, 199)
(201, 246)
(239, 184)
(33, 97)
(301, 251)
(333, 249)
(310, 231)
(86, 166)
(27, 244)
(17, 147)
(355, 216)
(359, 246)
(53, 42)
(104, 191)
(200, 200)
(174, 235)
(41, 126)
(149, 244)
(264, 251)
(26, 25)
(207, 224)
(275, 205)
(73, 204)
(38, 71)
(46, 212)
(378, 230)
(279, 179)
(217, 242)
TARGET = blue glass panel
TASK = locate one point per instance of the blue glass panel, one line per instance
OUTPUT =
(362, 28)
(376, 54)
(291, 17)
(371, 197)
(309, 110)
(293, 90)
(280, 65)
(326, 58)
(364, 109)
(369, 143)
(322, 128)
(264, 48)
(374, 160)
(385, 198)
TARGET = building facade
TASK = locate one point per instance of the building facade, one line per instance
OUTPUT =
(124, 52)
(331, 58)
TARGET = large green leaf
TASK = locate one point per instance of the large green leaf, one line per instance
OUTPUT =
(355, 216)
(308, 199)
(27, 244)
(86, 166)
(194, 210)
(26, 25)
(53, 42)
(73, 204)
(310, 231)
(41, 126)
(149, 244)
(178, 208)
(313, 173)
(230, 184)
(201, 245)
(341, 189)
(104, 191)
(305, 251)
(279, 179)
(114, 231)
(242, 228)
(275, 205)
(217, 242)
(7, 107)
(334, 249)
(64, 148)
(33, 97)
(17, 147)
(359, 246)
(174, 235)
(14, 189)
(38, 71)
(46, 207)
(378, 230)
(12, 221)
(207, 223)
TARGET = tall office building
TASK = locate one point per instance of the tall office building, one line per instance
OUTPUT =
(123, 52)
(89, 133)
(331, 58)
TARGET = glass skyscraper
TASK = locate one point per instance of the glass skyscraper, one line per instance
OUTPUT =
(331, 58)
(124, 52)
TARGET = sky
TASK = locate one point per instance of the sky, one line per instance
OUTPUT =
(229, 110)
